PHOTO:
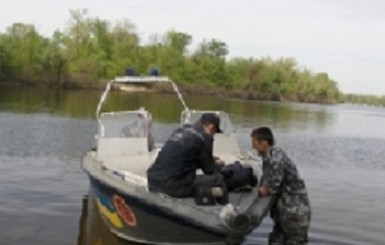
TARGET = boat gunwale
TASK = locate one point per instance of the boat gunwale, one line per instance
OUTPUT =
(167, 206)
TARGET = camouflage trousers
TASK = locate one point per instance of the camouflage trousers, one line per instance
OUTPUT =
(291, 224)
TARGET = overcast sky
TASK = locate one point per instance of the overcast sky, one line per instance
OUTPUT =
(344, 38)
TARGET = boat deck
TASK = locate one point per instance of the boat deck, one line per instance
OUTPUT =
(134, 169)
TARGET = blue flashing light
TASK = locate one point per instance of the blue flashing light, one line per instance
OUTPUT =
(129, 72)
(154, 72)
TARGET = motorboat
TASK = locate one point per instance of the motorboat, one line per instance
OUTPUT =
(116, 167)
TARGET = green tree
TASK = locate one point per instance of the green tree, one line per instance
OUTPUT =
(92, 49)
(53, 62)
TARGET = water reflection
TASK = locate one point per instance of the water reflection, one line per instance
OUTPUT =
(165, 107)
(92, 230)
(285, 117)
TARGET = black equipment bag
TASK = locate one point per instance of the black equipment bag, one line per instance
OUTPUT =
(237, 175)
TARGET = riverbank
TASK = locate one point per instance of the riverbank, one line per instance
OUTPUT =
(190, 89)
(205, 90)
(210, 90)
(187, 89)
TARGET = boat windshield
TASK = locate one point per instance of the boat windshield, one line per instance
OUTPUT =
(134, 124)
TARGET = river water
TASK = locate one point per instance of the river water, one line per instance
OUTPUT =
(339, 150)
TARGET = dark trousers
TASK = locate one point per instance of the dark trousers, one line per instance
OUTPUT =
(209, 180)
(188, 189)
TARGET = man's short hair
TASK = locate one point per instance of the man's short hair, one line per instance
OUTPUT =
(263, 133)
(212, 118)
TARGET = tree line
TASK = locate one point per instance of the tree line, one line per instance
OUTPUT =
(90, 50)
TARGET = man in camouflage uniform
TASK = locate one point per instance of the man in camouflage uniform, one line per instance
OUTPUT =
(291, 210)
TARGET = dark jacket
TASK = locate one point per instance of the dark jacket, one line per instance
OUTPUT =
(174, 170)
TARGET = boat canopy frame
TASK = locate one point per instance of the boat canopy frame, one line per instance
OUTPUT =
(137, 80)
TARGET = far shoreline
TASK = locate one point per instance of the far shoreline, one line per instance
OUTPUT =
(186, 89)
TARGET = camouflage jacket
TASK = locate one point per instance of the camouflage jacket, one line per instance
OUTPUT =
(281, 177)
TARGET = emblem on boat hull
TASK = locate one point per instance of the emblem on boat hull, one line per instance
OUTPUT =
(124, 211)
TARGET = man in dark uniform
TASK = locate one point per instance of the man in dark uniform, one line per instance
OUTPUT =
(189, 148)
(291, 212)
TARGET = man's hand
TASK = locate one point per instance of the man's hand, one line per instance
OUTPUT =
(263, 191)
(219, 162)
